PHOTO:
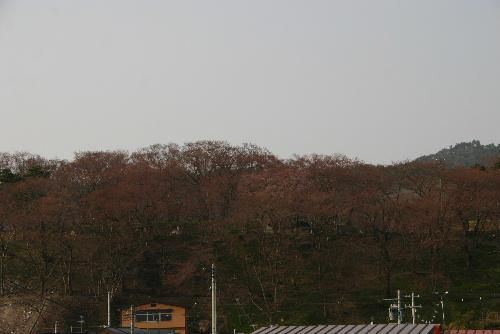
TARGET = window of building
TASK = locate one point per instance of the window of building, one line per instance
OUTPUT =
(153, 315)
(140, 317)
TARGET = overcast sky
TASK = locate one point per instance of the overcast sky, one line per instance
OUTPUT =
(378, 80)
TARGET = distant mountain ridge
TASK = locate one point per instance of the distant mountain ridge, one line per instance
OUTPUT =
(465, 154)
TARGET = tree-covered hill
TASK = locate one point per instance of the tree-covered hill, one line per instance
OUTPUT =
(310, 240)
(466, 154)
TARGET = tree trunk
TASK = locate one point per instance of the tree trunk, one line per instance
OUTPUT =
(1, 275)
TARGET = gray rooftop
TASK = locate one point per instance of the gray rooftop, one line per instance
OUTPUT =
(350, 329)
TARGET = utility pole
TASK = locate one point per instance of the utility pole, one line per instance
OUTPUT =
(109, 309)
(400, 314)
(214, 302)
(81, 323)
(441, 295)
(413, 310)
(396, 307)
(413, 306)
(442, 308)
(132, 319)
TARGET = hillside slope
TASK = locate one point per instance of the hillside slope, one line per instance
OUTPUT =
(466, 154)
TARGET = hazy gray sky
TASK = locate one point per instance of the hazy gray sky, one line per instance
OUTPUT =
(379, 80)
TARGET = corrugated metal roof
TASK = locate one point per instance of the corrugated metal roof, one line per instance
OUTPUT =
(473, 331)
(358, 329)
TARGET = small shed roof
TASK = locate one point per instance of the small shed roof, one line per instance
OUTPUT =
(352, 329)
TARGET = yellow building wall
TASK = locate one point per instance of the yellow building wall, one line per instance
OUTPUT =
(178, 321)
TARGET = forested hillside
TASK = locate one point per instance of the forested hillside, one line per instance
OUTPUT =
(314, 239)
(466, 154)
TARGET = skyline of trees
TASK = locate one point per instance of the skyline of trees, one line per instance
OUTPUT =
(289, 236)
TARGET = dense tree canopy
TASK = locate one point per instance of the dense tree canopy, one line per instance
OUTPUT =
(314, 239)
